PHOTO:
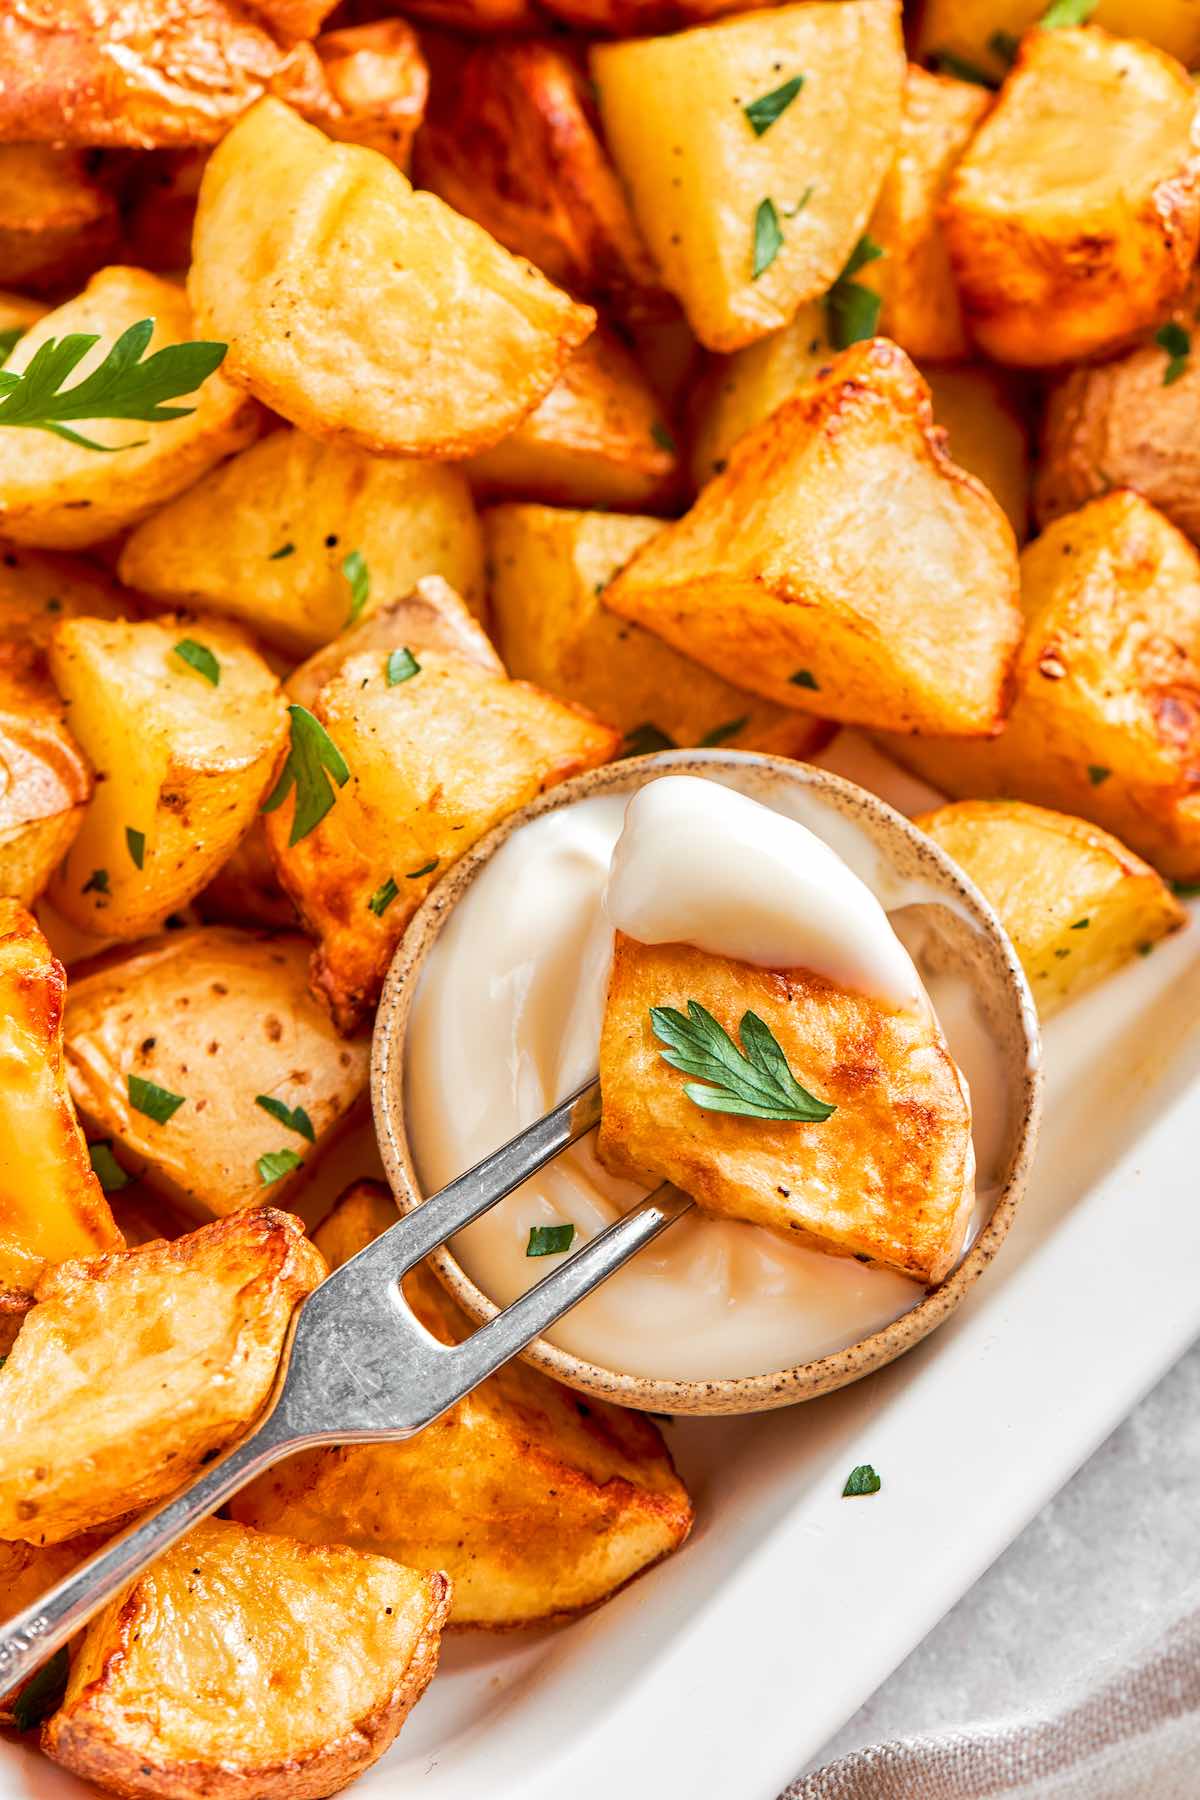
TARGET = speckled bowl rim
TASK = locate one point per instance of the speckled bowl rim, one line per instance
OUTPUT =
(734, 1394)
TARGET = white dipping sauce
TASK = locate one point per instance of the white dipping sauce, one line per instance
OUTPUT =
(506, 1022)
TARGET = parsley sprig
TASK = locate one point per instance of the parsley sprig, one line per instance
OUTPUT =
(312, 759)
(754, 1081)
(852, 310)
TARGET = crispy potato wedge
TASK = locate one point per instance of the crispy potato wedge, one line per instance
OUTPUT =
(158, 1356)
(597, 439)
(511, 139)
(167, 1697)
(51, 1205)
(63, 496)
(57, 223)
(986, 433)
(983, 33)
(436, 757)
(549, 571)
(362, 310)
(181, 763)
(536, 1503)
(700, 177)
(378, 83)
(889, 1176)
(1106, 719)
(245, 889)
(223, 1019)
(265, 537)
(1054, 268)
(836, 557)
(1075, 902)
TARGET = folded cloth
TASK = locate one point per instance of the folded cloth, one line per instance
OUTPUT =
(1129, 1730)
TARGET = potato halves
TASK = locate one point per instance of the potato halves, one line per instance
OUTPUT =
(754, 149)
(248, 1666)
(132, 1368)
(536, 1503)
(183, 723)
(837, 558)
(362, 310)
(222, 1022)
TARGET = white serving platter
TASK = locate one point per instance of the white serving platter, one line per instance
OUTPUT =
(720, 1674)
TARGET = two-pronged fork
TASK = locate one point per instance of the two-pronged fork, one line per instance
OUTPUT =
(358, 1367)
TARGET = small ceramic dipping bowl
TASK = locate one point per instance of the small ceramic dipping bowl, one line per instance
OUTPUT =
(960, 936)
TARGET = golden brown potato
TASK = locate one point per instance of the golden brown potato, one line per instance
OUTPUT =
(836, 558)
(597, 439)
(984, 33)
(245, 889)
(160, 1355)
(739, 391)
(983, 418)
(46, 781)
(219, 1020)
(549, 571)
(889, 1176)
(1075, 902)
(249, 1666)
(536, 1503)
(428, 759)
(265, 537)
(377, 83)
(511, 139)
(38, 589)
(19, 311)
(432, 617)
(362, 310)
(1073, 218)
(57, 223)
(51, 1205)
(1106, 719)
(183, 723)
(64, 496)
(746, 224)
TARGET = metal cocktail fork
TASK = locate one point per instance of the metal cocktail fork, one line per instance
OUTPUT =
(357, 1367)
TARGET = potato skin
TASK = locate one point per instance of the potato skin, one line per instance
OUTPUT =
(167, 1699)
(57, 223)
(378, 83)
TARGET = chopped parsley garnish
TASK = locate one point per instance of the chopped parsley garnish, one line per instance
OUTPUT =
(1177, 343)
(1081, 925)
(862, 1480)
(9, 339)
(754, 1081)
(312, 759)
(401, 665)
(1144, 949)
(549, 1240)
(768, 238)
(294, 1117)
(1098, 773)
(1187, 890)
(1067, 12)
(852, 310)
(662, 436)
(806, 679)
(123, 386)
(42, 1693)
(644, 740)
(136, 844)
(383, 896)
(425, 869)
(720, 734)
(762, 113)
(105, 1167)
(199, 657)
(1004, 47)
(288, 549)
(96, 883)
(275, 1164)
(358, 575)
(948, 62)
(158, 1103)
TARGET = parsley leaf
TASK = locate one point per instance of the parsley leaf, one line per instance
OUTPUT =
(768, 238)
(754, 1081)
(1067, 12)
(948, 62)
(135, 843)
(549, 1240)
(199, 657)
(312, 759)
(96, 883)
(1187, 890)
(158, 1103)
(42, 1693)
(1081, 924)
(763, 112)
(105, 1167)
(359, 576)
(1177, 343)
(662, 437)
(275, 1164)
(425, 869)
(1098, 773)
(862, 1480)
(10, 339)
(644, 740)
(806, 679)
(720, 734)
(123, 386)
(852, 310)
(288, 549)
(1004, 47)
(383, 896)
(401, 665)
(294, 1117)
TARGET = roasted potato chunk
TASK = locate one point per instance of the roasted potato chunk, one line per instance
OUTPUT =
(267, 1669)
(1106, 720)
(64, 496)
(378, 82)
(245, 889)
(1075, 902)
(220, 1020)
(836, 557)
(265, 537)
(51, 1205)
(46, 782)
(57, 223)
(549, 571)
(536, 1504)
(983, 32)
(183, 723)
(986, 433)
(889, 1176)
(159, 1356)
(746, 224)
(433, 756)
(597, 439)
(361, 310)
(1055, 267)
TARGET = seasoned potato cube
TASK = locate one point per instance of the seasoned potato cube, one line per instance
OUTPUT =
(536, 1504)
(57, 223)
(432, 617)
(46, 785)
(597, 439)
(549, 571)
(51, 1205)
(184, 744)
(362, 310)
(1073, 218)
(220, 1021)
(1106, 719)
(986, 433)
(747, 215)
(265, 537)
(38, 590)
(158, 1357)
(888, 1176)
(427, 758)
(836, 558)
(983, 33)
(65, 496)
(1075, 902)
(377, 82)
